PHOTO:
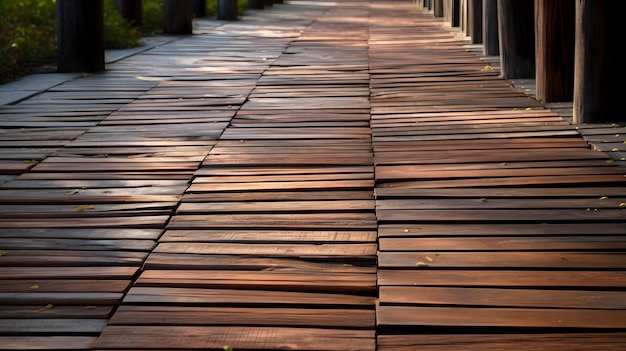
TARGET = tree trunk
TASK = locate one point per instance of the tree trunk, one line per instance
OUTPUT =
(80, 38)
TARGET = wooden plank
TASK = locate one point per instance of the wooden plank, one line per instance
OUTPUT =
(273, 280)
(499, 317)
(181, 261)
(272, 249)
(316, 221)
(277, 206)
(499, 215)
(512, 341)
(260, 236)
(56, 325)
(11, 273)
(498, 229)
(240, 316)
(239, 338)
(60, 310)
(483, 297)
(514, 277)
(497, 259)
(508, 192)
(47, 342)
(165, 296)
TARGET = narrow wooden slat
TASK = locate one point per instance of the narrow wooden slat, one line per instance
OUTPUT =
(500, 317)
(239, 338)
(482, 297)
(513, 342)
(224, 316)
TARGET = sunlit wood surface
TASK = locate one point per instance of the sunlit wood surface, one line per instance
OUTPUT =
(316, 176)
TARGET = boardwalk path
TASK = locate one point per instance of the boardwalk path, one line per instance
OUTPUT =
(317, 176)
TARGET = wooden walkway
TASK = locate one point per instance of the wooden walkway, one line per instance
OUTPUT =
(317, 176)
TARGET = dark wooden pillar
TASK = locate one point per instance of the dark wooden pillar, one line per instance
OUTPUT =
(455, 15)
(199, 8)
(516, 19)
(80, 38)
(438, 8)
(227, 10)
(463, 16)
(555, 32)
(178, 16)
(131, 10)
(475, 22)
(256, 4)
(598, 72)
(491, 38)
(451, 12)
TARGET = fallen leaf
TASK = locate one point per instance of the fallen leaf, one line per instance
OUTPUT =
(604, 198)
(30, 162)
(421, 264)
(622, 205)
(228, 348)
(429, 259)
(34, 287)
(82, 208)
(3, 253)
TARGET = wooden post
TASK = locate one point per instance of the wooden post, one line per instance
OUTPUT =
(447, 10)
(516, 19)
(463, 17)
(256, 4)
(438, 8)
(131, 10)
(80, 38)
(475, 22)
(598, 70)
(227, 10)
(555, 32)
(455, 16)
(451, 12)
(491, 39)
(178, 16)
(199, 8)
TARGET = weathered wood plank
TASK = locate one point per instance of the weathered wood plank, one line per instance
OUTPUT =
(239, 338)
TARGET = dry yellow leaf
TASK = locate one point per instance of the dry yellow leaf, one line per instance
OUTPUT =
(34, 287)
(82, 208)
(604, 198)
(421, 264)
